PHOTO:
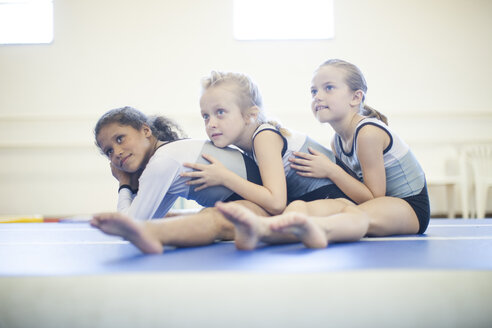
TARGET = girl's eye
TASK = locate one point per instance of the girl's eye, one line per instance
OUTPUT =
(205, 116)
(329, 87)
(220, 112)
(313, 92)
(109, 152)
(119, 139)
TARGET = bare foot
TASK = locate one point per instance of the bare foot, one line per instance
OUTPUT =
(117, 224)
(249, 227)
(309, 233)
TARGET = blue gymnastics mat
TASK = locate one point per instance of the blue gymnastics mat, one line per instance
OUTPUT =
(71, 275)
(47, 249)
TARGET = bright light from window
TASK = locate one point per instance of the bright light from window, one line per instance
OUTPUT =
(283, 19)
(28, 21)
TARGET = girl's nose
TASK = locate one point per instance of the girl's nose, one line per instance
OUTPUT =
(211, 123)
(117, 151)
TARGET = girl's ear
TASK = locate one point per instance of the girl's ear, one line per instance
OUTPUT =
(252, 114)
(358, 98)
(147, 131)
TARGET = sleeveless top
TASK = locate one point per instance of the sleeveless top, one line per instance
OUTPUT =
(404, 175)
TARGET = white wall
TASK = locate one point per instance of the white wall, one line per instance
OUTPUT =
(427, 64)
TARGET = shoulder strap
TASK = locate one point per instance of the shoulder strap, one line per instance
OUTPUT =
(269, 127)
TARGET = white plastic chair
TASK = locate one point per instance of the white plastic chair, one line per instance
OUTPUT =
(453, 176)
(479, 158)
(451, 183)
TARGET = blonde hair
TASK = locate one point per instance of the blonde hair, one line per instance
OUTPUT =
(356, 81)
(248, 94)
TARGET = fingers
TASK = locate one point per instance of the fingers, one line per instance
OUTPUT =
(300, 167)
(192, 174)
(314, 151)
(299, 161)
(305, 174)
(194, 166)
(187, 174)
(302, 155)
(196, 179)
(209, 158)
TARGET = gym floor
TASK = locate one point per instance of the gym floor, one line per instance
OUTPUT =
(69, 274)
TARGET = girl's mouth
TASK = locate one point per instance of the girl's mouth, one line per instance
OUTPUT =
(124, 160)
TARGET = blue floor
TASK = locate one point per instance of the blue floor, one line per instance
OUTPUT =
(47, 249)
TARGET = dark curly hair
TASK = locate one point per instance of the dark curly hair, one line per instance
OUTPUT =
(163, 128)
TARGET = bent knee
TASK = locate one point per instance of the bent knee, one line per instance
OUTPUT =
(295, 205)
(255, 208)
(350, 208)
(345, 201)
(358, 217)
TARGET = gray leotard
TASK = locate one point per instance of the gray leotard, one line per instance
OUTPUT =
(404, 176)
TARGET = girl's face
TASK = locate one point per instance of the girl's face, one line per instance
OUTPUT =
(128, 149)
(332, 99)
(224, 121)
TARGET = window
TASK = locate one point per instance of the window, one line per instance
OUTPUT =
(26, 21)
(283, 19)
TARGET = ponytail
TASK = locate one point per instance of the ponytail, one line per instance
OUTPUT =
(371, 112)
(283, 131)
(356, 81)
(165, 129)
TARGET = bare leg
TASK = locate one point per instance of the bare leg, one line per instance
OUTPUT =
(378, 217)
(303, 227)
(390, 216)
(349, 224)
(199, 229)
(313, 231)
(251, 229)
(298, 220)
(321, 207)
